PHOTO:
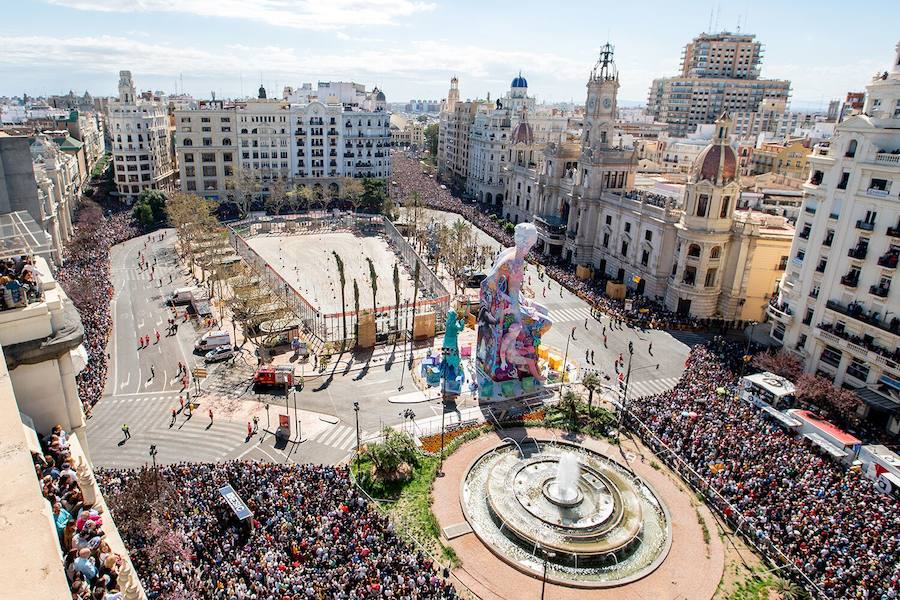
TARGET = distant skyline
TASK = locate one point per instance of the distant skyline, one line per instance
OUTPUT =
(411, 48)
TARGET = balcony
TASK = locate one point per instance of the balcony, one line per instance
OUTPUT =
(865, 226)
(828, 241)
(804, 235)
(861, 346)
(877, 192)
(859, 253)
(851, 280)
(855, 311)
(880, 291)
(820, 268)
(894, 231)
(887, 158)
(888, 261)
(780, 312)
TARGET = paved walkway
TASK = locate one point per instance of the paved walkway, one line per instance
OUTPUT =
(691, 571)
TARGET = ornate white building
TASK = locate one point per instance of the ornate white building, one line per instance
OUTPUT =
(141, 142)
(839, 308)
(699, 256)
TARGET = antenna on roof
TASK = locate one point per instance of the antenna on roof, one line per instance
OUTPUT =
(709, 27)
(718, 7)
(739, 24)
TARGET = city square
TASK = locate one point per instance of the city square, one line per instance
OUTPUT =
(570, 322)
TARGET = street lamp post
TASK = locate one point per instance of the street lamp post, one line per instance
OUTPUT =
(153, 452)
(624, 407)
(268, 425)
(356, 413)
(566, 354)
(547, 555)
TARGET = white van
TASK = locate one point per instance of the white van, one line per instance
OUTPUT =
(181, 296)
(212, 339)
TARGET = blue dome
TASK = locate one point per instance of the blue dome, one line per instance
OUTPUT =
(519, 82)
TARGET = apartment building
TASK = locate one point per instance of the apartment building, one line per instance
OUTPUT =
(141, 142)
(838, 307)
(313, 137)
(719, 73)
(787, 158)
(772, 117)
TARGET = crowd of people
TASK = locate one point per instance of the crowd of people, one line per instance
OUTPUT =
(830, 522)
(311, 535)
(92, 568)
(408, 178)
(19, 282)
(85, 276)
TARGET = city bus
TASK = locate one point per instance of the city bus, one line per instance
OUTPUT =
(767, 389)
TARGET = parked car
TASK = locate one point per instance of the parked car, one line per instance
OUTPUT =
(219, 354)
(181, 296)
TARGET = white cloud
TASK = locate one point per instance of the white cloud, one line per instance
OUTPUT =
(417, 61)
(298, 14)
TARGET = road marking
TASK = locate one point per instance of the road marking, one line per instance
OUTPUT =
(126, 382)
(260, 448)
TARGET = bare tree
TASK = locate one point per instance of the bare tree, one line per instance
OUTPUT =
(246, 189)
(278, 196)
(352, 191)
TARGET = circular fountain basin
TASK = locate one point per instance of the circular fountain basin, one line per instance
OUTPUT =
(601, 526)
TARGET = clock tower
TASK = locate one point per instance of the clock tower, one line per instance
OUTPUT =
(600, 108)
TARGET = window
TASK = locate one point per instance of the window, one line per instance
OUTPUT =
(192, 186)
(694, 251)
(624, 248)
(831, 356)
(829, 237)
(726, 205)
(627, 227)
(187, 142)
(609, 219)
(823, 263)
(702, 205)
(645, 258)
(807, 319)
(858, 369)
(226, 141)
(606, 240)
(189, 172)
(851, 149)
(209, 170)
(648, 235)
(801, 254)
(715, 252)
(226, 156)
(188, 158)
(804, 233)
(208, 157)
(845, 177)
(801, 342)
(690, 275)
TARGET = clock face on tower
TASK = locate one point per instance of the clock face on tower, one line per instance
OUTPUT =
(607, 103)
(592, 103)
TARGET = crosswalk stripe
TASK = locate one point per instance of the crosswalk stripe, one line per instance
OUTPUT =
(347, 441)
(327, 437)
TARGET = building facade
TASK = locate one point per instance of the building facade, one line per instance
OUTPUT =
(719, 73)
(838, 307)
(771, 117)
(323, 137)
(788, 158)
(141, 142)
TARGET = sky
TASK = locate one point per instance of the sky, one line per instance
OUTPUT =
(411, 48)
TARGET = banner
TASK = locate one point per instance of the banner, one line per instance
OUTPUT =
(284, 424)
(234, 501)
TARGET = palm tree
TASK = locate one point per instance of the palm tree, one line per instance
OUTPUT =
(396, 297)
(788, 590)
(343, 282)
(591, 383)
(356, 308)
(373, 279)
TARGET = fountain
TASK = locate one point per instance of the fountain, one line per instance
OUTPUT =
(563, 489)
(602, 525)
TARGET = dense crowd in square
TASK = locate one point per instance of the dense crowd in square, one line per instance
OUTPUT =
(830, 522)
(311, 536)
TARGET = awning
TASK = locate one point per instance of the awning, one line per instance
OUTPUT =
(825, 445)
(878, 401)
(890, 382)
(782, 418)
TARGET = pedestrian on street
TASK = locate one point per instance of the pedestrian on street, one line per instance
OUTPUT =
(650, 348)
(157, 336)
(184, 383)
(592, 357)
(152, 372)
(587, 356)
(604, 341)
(249, 429)
(210, 416)
(174, 412)
(255, 423)
(180, 403)
(140, 342)
(126, 431)
(585, 323)
(170, 278)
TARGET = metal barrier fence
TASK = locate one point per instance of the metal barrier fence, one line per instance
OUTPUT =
(391, 321)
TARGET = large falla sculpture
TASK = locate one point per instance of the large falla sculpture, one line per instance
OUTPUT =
(510, 326)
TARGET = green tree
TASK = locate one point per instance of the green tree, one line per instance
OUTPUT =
(374, 196)
(431, 138)
(352, 190)
(592, 383)
(156, 200)
(373, 281)
(143, 214)
(343, 282)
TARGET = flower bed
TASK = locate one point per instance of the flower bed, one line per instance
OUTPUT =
(431, 444)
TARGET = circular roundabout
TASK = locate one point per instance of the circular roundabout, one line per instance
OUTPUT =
(561, 507)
